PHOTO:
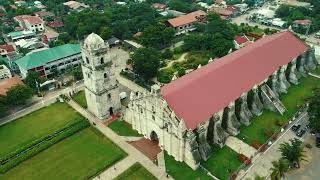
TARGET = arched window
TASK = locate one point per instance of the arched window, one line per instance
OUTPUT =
(101, 60)
(87, 60)
(105, 75)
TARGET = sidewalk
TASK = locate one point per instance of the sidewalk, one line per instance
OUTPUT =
(240, 147)
(130, 150)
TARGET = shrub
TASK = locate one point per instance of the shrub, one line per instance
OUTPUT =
(167, 54)
(279, 123)
(177, 50)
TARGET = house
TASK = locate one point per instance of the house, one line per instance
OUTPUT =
(6, 49)
(241, 41)
(159, 6)
(15, 36)
(8, 83)
(30, 44)
(304, 23)
(30, 23)
(9, 61)
(44, 14)
(224, 13)
(76, 6)
(56, 24)
(39, 5)
(185, 23)
(4, 72)
(49, 61)
(50, 36)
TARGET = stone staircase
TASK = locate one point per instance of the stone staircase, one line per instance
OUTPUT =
(273, 98)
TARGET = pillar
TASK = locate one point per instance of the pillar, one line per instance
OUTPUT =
(311, 59)
(283, 82)
(257, 106)
(192, 155)
(275, 86)
(219, 134)
(233, 125)
(204, 147)
(293, 74)
(244, 115)
(302, 70)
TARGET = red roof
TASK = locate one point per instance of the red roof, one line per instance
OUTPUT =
(55, 24)
(303, 22)
(7, 47)
(240, 39)
(30, 19)
(200, 94)
(186, 19)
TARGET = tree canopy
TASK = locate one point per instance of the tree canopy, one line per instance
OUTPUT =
(146, 62)
(313, 111)
(157, 36)
(18, 95)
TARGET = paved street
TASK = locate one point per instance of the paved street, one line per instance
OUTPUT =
(262, 163)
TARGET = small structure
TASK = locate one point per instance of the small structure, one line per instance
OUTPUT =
(30, 23)
(185, 23)
(50, 61)
(159, 6)
(8, 83)
(241, 41)
(56, 24)
(17, 35)
(6, 49)
(4, 72)
(44, 14)
(76, 6)
(224, 13)
(50, 36)
(131, 45)
(113, 42)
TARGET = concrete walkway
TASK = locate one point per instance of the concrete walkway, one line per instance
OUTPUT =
(161, 161)
(240, 147)
(131, 138)
(133, 154)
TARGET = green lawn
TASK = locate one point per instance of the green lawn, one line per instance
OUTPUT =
(222, 163)
(267, 121)
(80, 98)
(33, 126)
(181, 171)
(80, 156)
(136, 172)
(122, 128)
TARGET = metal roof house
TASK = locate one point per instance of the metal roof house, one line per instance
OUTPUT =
(48, 61)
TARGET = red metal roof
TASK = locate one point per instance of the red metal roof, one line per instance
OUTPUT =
(30, 19)
(240, 39)
(198, 95)
(8, 48)
(186, 19)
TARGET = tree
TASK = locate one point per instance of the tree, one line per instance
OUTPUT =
(3, 105)
(19, 95)
(23, 51)
(313, 111)
(77, 74)
(157, 36)
(279, 169)
(105, 33)
(31, 79)
(293, 151)
(55, 43)
(146, 62)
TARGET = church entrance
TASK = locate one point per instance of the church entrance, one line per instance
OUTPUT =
(154, 137)
(111, 111)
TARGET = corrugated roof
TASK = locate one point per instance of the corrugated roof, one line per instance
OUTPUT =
(40, 58)
(197, 96)
(186, 19)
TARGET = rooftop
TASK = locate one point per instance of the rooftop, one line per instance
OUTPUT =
(21, 33)
(30, 19)
(41, 58)
(197, 96)
(186, 19)
(7, 47)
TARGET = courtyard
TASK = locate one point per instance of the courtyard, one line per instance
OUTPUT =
(81, 156)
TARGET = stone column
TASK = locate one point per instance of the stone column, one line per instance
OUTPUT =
(283, 82)
(192, 155)
(302, 70)
(311, 59)
(294, 74)
(204, 147)
(233, 125)
(219, 134)
(275, 86)
(257, 106)
(244, 115)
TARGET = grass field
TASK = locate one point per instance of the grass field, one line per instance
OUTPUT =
(122, 128)
(80, 156)
(80, 98)
(181, 171)
(33, 126)
(223, 162)
(296, 97)
(136, 172)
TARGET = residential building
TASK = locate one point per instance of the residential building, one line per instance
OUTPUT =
(50, 36)
(76, 6)
(44, 14)
(30, 23)
(4, 72)
(241, 41)
(6, 49)
(185, 23)
(50, 61)
(17, 35)
(8, 83)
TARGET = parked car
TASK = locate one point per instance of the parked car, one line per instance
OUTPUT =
(301, 132)
(295, 127)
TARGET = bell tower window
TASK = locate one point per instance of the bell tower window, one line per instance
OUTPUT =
(101, 60)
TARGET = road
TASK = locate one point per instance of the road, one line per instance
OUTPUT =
(262, 163)
(42, 102)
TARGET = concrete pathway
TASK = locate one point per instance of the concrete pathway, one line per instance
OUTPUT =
(131, 138)
(134, 155)
(240, 147)
(161, 161)
(314, 75)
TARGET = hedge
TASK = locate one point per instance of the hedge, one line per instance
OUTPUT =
(13, 159)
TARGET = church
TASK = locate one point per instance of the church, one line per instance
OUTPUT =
(209, 104)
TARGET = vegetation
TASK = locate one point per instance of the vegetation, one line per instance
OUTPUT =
(157, 36)
(313, 111)
(24, 131)
(279, 169)
(292, 152)
(180, 170)
(80, 98)
(122, 128)
(81, 156)
(185, 6)
(136, 171)
(223, 162)
(19, 95)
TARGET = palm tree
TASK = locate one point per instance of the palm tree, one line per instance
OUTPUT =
(293, 151)
(279, 169)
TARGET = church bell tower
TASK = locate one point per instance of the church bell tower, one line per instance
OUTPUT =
(101, 86)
